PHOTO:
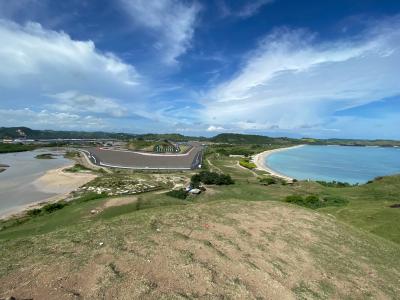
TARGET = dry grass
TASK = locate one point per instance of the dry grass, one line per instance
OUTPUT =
(226, 250)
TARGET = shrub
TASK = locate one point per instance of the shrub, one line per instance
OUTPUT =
(335, 201)
(297, 199)
(76, 168)
(334, 183)
(207, 177)
(267, 180)
(247, 164)
(314, 202)
(225, 180)
(180, 194)
(34, 212)
(52, 207)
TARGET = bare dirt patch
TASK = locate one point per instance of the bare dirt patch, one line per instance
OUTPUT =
(119, 201)
(227, 250)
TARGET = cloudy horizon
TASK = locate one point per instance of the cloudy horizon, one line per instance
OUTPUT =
(266, 67)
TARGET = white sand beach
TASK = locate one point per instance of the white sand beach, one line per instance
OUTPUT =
(260, 159)
(59, 182)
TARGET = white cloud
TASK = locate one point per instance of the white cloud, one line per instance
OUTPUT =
(73, 101)
(172, 22)
(247, 10)
(49, 56)
(49, 120)
(36, 63)
(292, 81)
(213, 128)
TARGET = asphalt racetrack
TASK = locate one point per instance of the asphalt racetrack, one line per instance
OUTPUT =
(141, 160)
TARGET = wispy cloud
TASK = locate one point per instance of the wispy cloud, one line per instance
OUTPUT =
(246, 10)
(49, 120)
(292, 81)
(73, 101)
(171, 22)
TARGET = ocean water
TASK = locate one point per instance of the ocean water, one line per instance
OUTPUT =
(16, 183)
(340, 163)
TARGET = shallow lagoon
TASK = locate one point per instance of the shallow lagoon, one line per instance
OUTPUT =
(16, 182)
(340, 163)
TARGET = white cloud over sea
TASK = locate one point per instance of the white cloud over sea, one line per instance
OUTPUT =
(293, 81)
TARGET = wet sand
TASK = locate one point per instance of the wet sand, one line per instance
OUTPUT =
(54, 182)
(260, 161)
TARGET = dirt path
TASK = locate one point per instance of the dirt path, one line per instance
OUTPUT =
(213, 166)
(243, 168)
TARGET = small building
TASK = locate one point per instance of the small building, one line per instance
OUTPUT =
(195, 191)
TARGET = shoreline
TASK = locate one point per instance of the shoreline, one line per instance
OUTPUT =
(260, 161)
(56, 182)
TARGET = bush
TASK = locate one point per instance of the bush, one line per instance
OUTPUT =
(52, 207)
(34, 212)
(334, 183)
(267, 180)
(207, 177)
(294, 199)
(335, 201)
(314, 202)
(247, 164)
(77, 168)
(180, 194)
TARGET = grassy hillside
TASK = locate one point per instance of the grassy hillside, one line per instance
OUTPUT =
(223, 138)
(233, 138)
(241, 241)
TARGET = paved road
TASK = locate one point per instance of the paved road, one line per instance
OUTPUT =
(138, 160)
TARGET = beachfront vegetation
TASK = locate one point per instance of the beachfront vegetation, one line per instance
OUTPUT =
(245, 162)
(77, 168)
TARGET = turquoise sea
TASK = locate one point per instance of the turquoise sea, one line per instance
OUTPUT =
(340, 163)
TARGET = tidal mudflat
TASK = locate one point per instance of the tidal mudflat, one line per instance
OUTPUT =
(17, 182)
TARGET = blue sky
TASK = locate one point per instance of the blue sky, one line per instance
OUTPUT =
(273, 67)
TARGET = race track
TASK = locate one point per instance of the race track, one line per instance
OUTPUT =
(142, 160)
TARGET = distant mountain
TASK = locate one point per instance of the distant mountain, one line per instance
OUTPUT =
(176, 137)
(25, 132)
(223, 138)
(235, 138)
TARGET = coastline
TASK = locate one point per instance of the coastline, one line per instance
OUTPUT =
(260, 161)
(56, 182)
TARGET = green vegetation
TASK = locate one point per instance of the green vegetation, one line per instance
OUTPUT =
(335, 183)
(207, 177)
(9, 148)
(268, 180)
(72, 154)
(77, 168)
(45, 156)
(245, 162)
(180, 194)
(313, 201)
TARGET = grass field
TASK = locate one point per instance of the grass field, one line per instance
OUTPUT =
(235, 241)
